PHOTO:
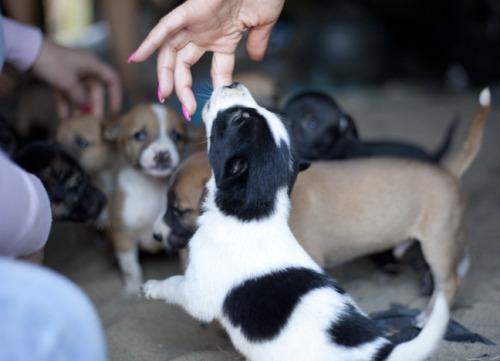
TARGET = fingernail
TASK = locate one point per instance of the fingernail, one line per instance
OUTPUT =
(159, 96)
(87, 108)
(186, 114)
(131, 57)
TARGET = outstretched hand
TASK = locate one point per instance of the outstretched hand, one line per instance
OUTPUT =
(197, 26)
(79, 78)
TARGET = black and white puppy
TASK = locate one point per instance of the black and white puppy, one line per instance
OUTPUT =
(247, 270)
(321, 130)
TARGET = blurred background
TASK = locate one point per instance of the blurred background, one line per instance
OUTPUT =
(438, 45)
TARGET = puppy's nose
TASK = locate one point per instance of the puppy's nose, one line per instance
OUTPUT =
(232, 86)
(162, 156)
(158, 237)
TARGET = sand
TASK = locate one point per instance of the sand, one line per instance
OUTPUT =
(138, 329)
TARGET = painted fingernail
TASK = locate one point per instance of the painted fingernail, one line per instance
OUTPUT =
(159, 96)
(87, 108)
(131, 57)
(186, 114)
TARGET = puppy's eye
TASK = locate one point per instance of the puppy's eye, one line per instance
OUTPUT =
(140, 135)
(312, 124)
(180, 212)
(176, 136)
(81, 143)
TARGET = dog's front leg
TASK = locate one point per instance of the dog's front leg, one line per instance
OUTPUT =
(176, 290)
(170, 290)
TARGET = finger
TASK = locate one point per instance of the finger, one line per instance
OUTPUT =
(222, 69)
(257, 40)
(61, 103)
(165, 67)
(183, 80)
(170, 24)
(96, 98)
(110, 78)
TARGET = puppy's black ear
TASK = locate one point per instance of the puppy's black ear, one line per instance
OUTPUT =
(347, 128)
(303, 164)
(234, 170)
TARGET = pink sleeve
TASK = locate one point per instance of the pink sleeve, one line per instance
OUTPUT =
(25, 215)
(22, 44)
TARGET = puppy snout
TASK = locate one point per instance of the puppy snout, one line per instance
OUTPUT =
(232, 86)
(162, 158)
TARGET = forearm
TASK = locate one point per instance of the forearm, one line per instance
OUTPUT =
(25, 216)
(22, 44)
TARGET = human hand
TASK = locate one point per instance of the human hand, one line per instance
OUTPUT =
(78, 78)
(197, 26)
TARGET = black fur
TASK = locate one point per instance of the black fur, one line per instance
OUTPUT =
(180, 233)
(354, 329)
(71, 195)
(249, 168)
(322, 131)
(262, 306)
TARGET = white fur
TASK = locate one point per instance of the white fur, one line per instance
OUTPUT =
(129, 264)
(485, 97)
(144, 199)
(161, 144)
(223, 98)
(225, 251)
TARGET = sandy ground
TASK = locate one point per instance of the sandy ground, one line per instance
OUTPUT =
(137, 329)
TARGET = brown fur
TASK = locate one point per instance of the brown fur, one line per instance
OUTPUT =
(84, 136)
(345, 209)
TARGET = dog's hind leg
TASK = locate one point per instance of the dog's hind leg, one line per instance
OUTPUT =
(444, 256)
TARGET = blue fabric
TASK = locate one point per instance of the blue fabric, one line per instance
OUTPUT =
(45, 317)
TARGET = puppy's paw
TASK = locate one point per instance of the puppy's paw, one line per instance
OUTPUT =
(131, 290)
(152, 290)
(421, 319)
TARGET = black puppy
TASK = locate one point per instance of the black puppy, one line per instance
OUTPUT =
(72, 197)
(322, 131)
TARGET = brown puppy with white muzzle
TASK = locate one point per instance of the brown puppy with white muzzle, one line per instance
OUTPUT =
(347, 209)
(150, 140)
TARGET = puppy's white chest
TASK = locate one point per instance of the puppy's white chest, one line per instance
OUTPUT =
(144, 198)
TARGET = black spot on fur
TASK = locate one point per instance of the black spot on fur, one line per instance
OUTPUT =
(353, 329)
(248, 166)
(383, 352)
(263, 305)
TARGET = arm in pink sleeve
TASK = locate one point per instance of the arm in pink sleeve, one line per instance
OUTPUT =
(25, 215)
(22, 44)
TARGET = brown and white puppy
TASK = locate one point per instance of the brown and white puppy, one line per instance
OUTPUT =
(150, 140)
(346, 209)
(85, 136)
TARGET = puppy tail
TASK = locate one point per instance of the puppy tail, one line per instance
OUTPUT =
(461, 162)
(421, 347)
(447, 140)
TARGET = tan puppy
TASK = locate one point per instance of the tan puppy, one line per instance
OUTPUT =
(84, 135)
(150, 140)
(343, 210)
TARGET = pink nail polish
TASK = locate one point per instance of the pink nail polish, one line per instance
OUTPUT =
(186, 114)
(131, 57)
(87, 108)
(161, 100)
